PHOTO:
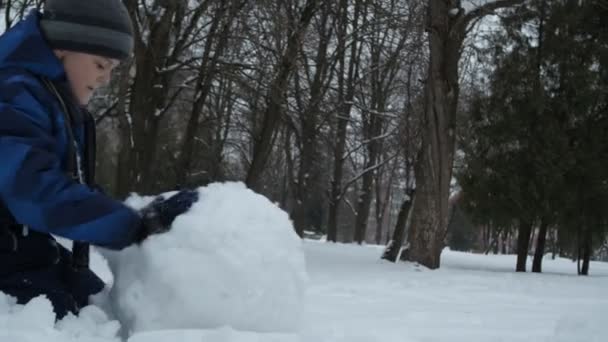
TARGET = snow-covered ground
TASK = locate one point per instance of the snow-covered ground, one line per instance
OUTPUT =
(350, 294)
(353, 296)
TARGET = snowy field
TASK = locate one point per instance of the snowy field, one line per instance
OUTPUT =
(352, 296)
(242, 276)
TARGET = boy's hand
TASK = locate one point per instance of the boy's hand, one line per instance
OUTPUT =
(158, 216)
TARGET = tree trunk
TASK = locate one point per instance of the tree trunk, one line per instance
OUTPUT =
(578, 252)
(304, 188)
(275, 98)
(363, 207)
(383, 204)
(336, 182)
(373, 130)
(434, 165)
(531, 238)
(555, 243)
(306, 180)
(587, 250)
(379, 211)
(540, 247)
(123, 170)
(308, 171)
(346, 93)
(493, 236)
(394, 246)
(523, 240)
(495, 244)
(447, 31)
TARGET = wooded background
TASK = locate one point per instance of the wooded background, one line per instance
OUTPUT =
(481, 125)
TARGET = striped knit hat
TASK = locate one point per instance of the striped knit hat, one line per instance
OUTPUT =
(98, 27)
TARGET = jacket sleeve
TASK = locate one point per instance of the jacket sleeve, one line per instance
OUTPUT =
(40, 194)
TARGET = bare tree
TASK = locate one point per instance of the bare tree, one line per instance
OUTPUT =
(318, 74)
(216, 43)
(448, 25)
(388, 39)
(409, 139)
(164, 32)
(15, 10)
(348, 71)
(384, 196)
(275, 97)
(392, 250)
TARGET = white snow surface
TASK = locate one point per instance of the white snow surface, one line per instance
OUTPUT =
(187, 281)
(224, 334)
(35, 322)
(234, 259)
(354, 296)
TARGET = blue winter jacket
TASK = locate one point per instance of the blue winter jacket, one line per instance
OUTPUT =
(35, 187)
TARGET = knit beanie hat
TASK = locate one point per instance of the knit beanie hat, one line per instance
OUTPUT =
(98, 27)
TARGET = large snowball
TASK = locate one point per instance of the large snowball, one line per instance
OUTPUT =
(232, 260)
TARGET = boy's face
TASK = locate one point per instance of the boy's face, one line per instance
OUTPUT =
(86, 73)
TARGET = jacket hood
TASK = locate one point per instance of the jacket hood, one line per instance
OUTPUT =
(24, 46)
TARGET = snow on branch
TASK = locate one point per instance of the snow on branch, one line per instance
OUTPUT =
(478, 8)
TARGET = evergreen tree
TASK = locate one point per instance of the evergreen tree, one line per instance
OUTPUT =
(535, 155)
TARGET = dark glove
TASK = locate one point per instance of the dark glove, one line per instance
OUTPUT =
(158, 216)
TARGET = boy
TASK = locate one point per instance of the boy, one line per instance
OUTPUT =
(50, 65)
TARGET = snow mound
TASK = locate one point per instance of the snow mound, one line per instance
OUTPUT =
(232, 260)
(35, 321)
